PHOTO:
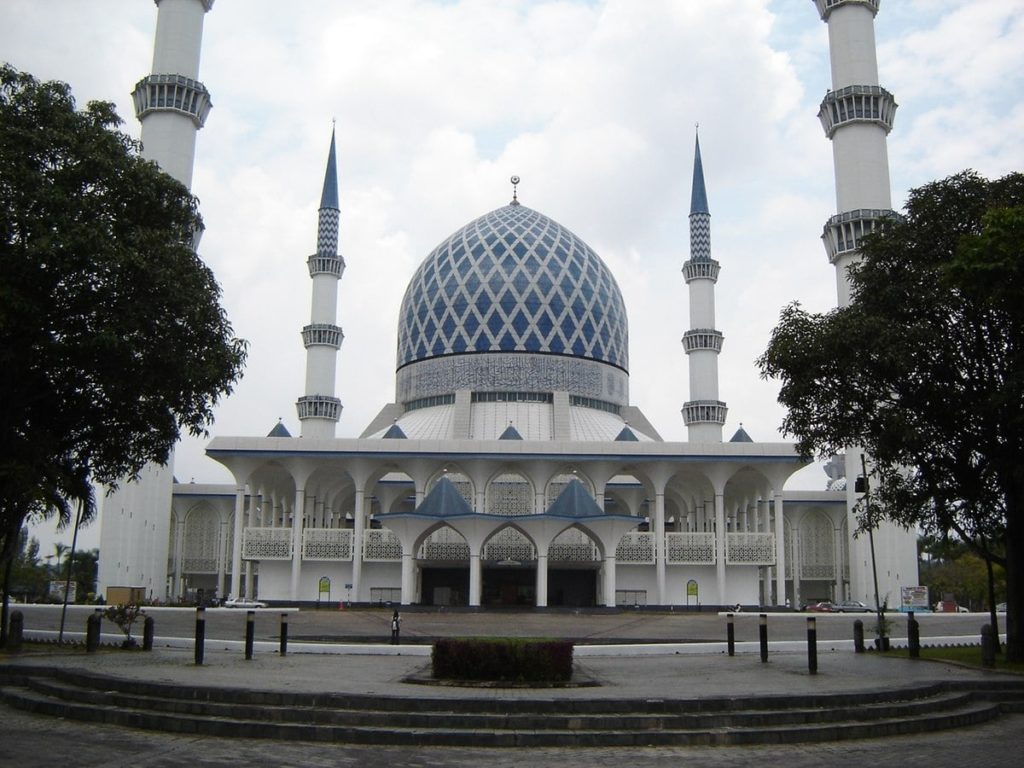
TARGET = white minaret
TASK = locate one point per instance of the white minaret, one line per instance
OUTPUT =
(171, 103)
(172, 106)
(704, 414)
(857, 115)
(319, 409)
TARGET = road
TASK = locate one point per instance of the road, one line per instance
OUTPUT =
(423, 625)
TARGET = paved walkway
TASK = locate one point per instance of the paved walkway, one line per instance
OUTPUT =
(36, 741)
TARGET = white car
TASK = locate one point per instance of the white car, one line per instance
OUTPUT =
(243, 602)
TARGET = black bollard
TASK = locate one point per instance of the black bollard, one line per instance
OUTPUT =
(250, 633)
(913, 636)
(730, 635)
(200, 634)
(92, 632)
(16, 636)
(812, 645)
(763, 632)
(858, 636)
(284, 634)
(989, 644)
(147, 633)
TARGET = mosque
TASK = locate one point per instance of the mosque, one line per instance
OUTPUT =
(512, 469)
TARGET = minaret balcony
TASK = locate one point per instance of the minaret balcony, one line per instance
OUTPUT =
(825, 7)
(322, 335)
(319, 407)
(857, 104)
(704, 412)
(172, 93)
(701, 270)
(325, 264)
(702, 339)
(844, 231)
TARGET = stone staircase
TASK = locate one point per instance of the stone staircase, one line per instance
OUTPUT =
(542, 721)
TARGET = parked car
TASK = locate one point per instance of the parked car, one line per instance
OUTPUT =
(1001, 608)
(243, 602)
(823, 606)
(851, 606)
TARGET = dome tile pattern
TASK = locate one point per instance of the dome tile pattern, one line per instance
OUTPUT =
(513, 280)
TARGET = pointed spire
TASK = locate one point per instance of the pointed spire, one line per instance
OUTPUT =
(698, 195)
(329, 198)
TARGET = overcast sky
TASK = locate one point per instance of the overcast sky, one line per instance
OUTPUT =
(592, 104)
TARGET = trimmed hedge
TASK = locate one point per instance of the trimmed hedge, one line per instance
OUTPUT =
(512, 660)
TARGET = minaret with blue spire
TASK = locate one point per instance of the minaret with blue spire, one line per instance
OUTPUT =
(704, 414)
(319, 409)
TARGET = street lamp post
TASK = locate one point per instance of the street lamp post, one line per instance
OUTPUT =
(862, 486)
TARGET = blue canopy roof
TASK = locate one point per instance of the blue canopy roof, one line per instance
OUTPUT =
(576, 502)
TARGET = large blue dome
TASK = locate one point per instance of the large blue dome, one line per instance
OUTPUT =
(513, 280)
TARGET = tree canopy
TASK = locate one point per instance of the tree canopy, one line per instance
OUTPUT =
(112, 335)
(925, 369)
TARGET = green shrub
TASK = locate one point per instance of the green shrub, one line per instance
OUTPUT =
(510, 660)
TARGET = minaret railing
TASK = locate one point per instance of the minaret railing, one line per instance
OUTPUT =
(857, 104)
(173, 93)
(704, 412)
(700, 339)
(844, 232)
(319, 407)
(701, 270)
(323, 335)
(825, 7)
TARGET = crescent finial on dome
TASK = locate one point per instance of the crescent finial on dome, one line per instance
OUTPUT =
(515, 196)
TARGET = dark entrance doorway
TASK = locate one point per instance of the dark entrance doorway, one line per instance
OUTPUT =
(572, 588)
(445, 586)
(509, 587)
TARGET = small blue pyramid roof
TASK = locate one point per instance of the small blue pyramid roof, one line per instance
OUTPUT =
(395, 433)
(698, 195)
(627, 435)
(329, 197)
(444, 500)
(574, 501)
(510, 433)
(279, 430)
(741, 436)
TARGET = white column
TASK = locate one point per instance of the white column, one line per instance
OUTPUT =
(542, 580)
(720, 537)
(297, 524)
(408, 584)
(239, 520)
(248, 564)
(179, 560)
(659, 544)
(359, 525)
(609, 579)
(780, 553)
(475, 580)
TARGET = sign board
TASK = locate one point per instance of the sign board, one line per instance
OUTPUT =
(325, 585)
(57, 590)
(691, 591)
(914, 599)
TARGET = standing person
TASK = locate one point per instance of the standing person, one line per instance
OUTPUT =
(396, 625)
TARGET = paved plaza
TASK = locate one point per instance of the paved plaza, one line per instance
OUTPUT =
(30, 740)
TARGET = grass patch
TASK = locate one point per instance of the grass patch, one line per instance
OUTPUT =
(967, 655)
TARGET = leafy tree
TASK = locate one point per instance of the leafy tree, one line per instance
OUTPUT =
(84, 569)
(112, 337)
(28, 577)
(925, 370)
